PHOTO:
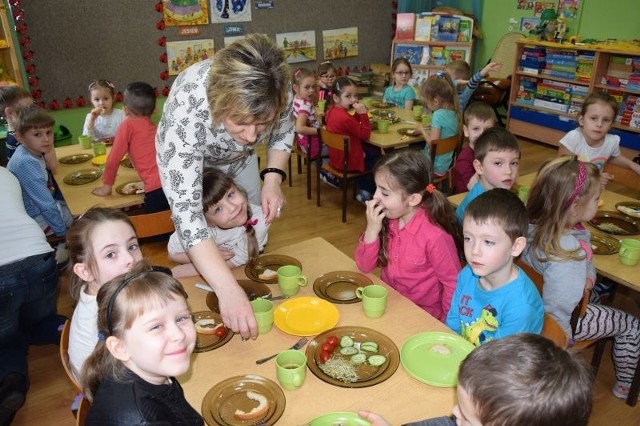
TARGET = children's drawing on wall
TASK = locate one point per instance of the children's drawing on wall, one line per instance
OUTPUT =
(540, 6)
(229, 40)
(340, 43)
(528, 24)
(299, 46)
(185, 12)
(568, 8)
(230, 11)
(181, 54)
(525, 5)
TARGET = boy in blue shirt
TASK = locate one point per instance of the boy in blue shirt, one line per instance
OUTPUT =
(494, 298)
(496, 161)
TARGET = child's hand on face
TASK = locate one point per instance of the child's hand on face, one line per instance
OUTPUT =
(360, 108)
(375, 419)
(375, 214)
(96, 112)
(491, 67)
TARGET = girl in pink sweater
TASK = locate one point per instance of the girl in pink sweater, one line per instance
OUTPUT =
(412, 233)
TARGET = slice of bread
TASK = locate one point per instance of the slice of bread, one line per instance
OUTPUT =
(268, 275)
(206, 326)
(258, 411)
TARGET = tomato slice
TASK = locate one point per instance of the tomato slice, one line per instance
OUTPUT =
(221, 331)
(324, 356)
(333, 341)
(328, 347)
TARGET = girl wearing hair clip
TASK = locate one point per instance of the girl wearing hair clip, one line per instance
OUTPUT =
(412, 233)
(565, 194)
(304, 112)
(238, 228)
(103, 120)
(145, 339)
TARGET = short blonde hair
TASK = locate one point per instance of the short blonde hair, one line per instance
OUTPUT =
(249, 80)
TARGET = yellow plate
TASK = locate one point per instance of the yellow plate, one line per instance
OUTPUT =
(99, 160)
(305, 316)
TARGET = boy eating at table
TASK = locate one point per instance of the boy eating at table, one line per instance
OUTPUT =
(497, 158)
(494, 298)
(524, 379)
(136, 136)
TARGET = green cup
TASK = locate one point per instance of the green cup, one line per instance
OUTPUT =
(426, 120)
(99, 148)
(374, 300)
(418, 110)
(629, 253)
(263, 311)
(291, 369)
(523, 193)
(383, 126)
(290, 279)
(85, 141)
(368, 102)
(322, 103)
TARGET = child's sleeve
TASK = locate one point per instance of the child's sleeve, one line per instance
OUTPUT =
(118, 150)
(453, 316)
(34, 184)
(563, 288)
(442, 253)
(85, 128)
(463, 169)
(467, 92)
(367, 255)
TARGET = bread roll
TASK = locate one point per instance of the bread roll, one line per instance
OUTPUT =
(206, 326)
(268, 274)
(260, 410)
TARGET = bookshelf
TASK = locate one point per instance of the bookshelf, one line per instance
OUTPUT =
(436, 40)
(10, 71)
(550, 81)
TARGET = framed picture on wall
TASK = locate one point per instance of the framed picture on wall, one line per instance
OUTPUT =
(185, 12)
(340, 43)
(181, 54)
(299, 46)
(223, 11)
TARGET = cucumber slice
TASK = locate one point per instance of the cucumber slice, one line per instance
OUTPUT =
(358, 359)
(349, 350)
(369, 346)
(376, 360)
(346, 341)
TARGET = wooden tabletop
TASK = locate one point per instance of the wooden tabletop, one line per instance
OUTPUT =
(400, 398)
(79, 197)
(606, 265)
(392, 139)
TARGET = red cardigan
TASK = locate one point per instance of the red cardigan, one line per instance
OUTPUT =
(357, 127)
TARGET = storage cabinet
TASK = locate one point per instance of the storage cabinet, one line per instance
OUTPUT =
(545, 100)
(434, 47)
(10, 71)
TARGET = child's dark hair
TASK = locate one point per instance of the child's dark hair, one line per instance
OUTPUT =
(495, 139)
(10, 95)
(339, 85)
(596, 97)
(140, 99)
(460, 69)
(301, 73)
(325, 67)
(215, 184)
(120, 302)
(525, 379)
(501, 207)
(103, 84)
(411, 172)
(480, 111)
(560, 182)
(79, 241)
(401, 61)
(32, 117)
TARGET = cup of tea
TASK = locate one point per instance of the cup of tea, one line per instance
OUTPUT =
(291, 369)
(383, 126)
(426, 120)
(523, 193)
(263, 311)
(374, 300)
(84, 141)
(417, 112)
(99, 148)
(629, 253)
(290, 279)
(368, 102)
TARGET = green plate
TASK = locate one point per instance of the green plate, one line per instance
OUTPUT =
(339, 418)
(420, 359)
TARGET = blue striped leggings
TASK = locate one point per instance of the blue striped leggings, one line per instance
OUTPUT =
(604, 321)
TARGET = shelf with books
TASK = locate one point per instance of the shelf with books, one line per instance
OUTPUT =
(552, 80)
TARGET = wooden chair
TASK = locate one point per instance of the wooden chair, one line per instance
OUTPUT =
(299, 154)
(626, 177)
(340, 143)
(152, 224)
(445, 146)
(83, 411)
(64, 355)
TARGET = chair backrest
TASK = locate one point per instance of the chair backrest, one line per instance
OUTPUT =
(152, 224)
(505, 53)
(552, 331)
(64, 355)
(535, 276)
(627, 177)
(335, 141)
(83, 410)
(445, 146)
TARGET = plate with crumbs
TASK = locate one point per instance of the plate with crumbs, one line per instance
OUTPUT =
(209, 342)
(629, 208)
(604, 244)
(383, 113)
(615, 223)
(131, 188)
(82, 177)
(340, 286)
(251, 288)
(409, 131)
(76, 158)
(264, 270)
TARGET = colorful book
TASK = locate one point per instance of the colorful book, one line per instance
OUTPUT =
(465, 30)
(437, 56)
(453, 54)
(413, 54)
(424, 25)
(405, 23)
(448, 28)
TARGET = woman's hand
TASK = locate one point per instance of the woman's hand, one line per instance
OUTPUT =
(272, 198)
(375, 419)
(375, 214)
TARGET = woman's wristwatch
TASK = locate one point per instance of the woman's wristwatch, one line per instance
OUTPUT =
(273, 170)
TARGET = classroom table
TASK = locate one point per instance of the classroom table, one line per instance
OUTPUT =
(606, 265)
(79, 197)
(392, 139)
(400, 398)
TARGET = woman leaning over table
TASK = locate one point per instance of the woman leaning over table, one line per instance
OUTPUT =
(216, 114)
